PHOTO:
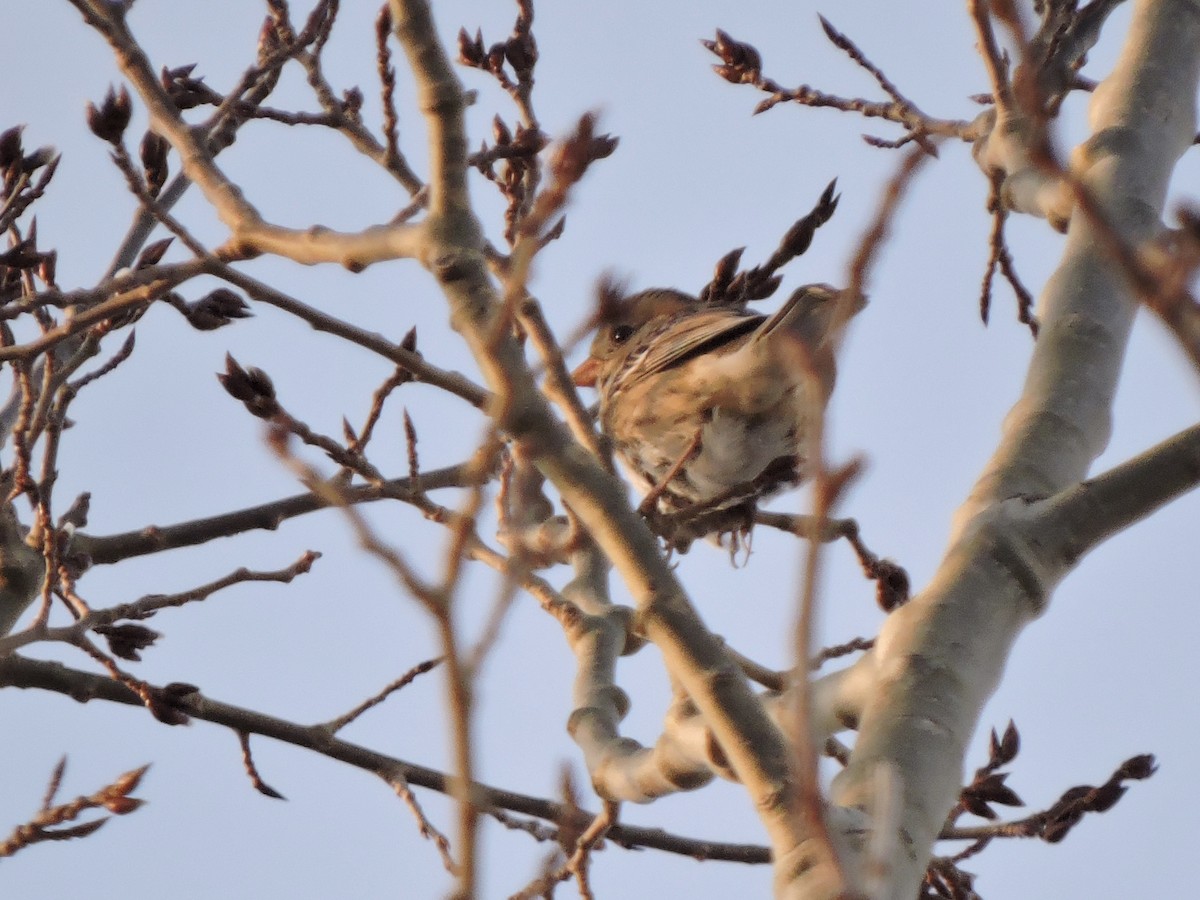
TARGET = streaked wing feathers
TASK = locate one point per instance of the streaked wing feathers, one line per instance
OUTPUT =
(696, 334)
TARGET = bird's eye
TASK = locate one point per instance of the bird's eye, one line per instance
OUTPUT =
(621, 333)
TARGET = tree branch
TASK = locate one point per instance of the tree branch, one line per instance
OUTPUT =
(1070, 524)
(422, 369)
(754, 745)
(941, 656)
(252, 235)
(20, 672)
(109, 549)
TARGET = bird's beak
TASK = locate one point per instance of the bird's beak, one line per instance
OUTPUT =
(586, 373)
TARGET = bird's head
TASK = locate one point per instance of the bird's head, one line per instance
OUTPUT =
(620, 319)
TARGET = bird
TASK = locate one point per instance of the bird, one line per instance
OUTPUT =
(709, 406)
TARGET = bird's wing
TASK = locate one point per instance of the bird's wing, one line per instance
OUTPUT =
(804, 304)
(688, 337)
(810, 313)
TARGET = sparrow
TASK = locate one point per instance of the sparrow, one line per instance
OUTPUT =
(708, 406)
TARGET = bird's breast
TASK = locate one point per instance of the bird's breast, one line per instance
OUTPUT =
(662, 424)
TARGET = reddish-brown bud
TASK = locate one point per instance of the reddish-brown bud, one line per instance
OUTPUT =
(252, 386)
(522, 53)
(48, 267)
(470, 50)
(153, 154)
(409, 341)
(495, 57)
(128, 640)
(109, 121)
(352, 101)
(185, 91)
(215, 310)
(152, 254)
(10, 145)
(500, 132)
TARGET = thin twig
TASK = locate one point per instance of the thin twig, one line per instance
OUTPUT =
(252, 771)
(424, 826)
(115, 798)
(336, 725)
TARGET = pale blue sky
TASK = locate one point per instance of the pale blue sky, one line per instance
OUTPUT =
(1108, 672)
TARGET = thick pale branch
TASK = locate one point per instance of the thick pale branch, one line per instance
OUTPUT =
(940, 657)
(1073, 522)
(197, 162)
(252, 235)
(1144, 117)
(755, 747)
(621, 768)
(441, 99)
(311, 246)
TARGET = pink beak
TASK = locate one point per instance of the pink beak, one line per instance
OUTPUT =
(586, 373)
